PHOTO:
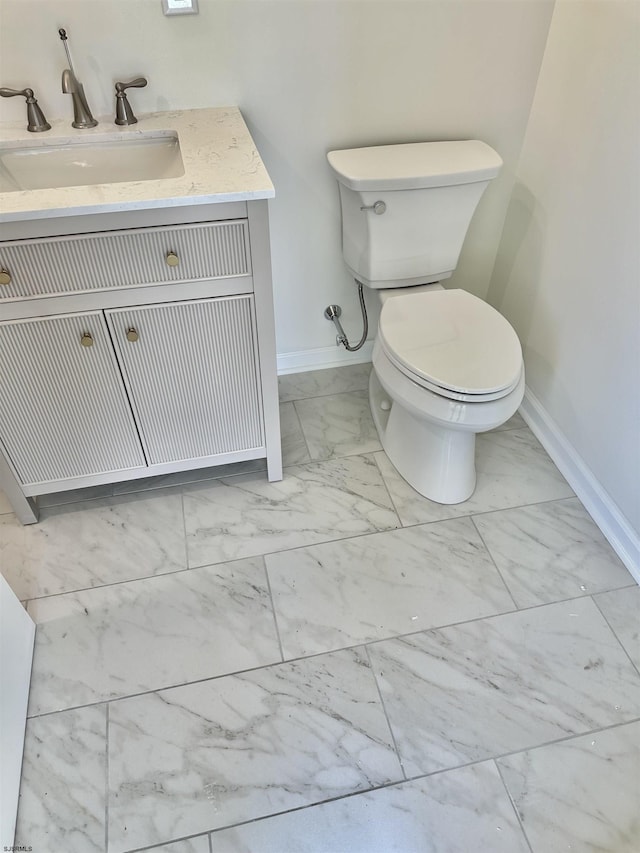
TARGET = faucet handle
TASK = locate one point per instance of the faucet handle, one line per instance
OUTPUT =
(124, 113)
(138, 83)
(36, 122)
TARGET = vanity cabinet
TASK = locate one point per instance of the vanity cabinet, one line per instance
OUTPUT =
(136, 349)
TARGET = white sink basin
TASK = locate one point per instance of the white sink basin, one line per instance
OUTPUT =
(81, 164)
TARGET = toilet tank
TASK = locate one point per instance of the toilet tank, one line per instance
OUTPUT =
(429, 191)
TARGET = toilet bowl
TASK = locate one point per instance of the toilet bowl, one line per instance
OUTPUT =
(446, 365)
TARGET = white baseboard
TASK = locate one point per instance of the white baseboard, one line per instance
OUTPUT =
(598, 503)
(318, 359)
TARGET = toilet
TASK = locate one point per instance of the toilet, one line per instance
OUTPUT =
(446, 365)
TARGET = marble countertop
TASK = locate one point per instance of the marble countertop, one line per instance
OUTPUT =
(221, 164)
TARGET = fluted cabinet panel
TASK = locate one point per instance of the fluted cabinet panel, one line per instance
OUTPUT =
(192, 376)
(63, 408)
(88, 262)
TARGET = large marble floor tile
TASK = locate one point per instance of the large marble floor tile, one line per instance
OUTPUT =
(551, 551)
(317, 383)
(455, 812)
(148, 634)
(246, 516)
(512, 469)
(621, 609)
(338, 425)
(294, 447)
(62, 794)
(245, 746)
(582, 795)
(215, 472)
(352, 591)
(503, 684)
(91, 544)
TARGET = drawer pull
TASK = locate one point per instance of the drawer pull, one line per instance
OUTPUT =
(5, 276)
(172, 259)
(86, 340)
(132, 335)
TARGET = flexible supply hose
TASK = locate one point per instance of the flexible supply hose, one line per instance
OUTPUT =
(332, 312)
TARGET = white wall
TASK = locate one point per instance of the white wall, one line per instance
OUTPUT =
(568, 269)
(309, 76)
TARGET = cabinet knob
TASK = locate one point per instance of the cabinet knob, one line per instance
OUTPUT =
(132, 335)
(86, 340)
(172, 259)
(5, 276)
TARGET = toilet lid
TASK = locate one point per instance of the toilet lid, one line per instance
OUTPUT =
(452, 340)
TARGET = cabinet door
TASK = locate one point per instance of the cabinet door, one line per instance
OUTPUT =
(64, 410)
(191, 373)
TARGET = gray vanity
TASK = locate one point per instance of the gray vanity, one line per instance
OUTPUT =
(136, 317)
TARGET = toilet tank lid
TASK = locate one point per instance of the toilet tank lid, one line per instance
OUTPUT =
(415, 165)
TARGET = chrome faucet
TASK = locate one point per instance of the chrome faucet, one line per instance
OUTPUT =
(82, 116)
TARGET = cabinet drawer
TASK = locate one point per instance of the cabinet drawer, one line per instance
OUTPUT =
(89, 262)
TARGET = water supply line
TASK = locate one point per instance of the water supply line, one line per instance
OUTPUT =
(333, 312)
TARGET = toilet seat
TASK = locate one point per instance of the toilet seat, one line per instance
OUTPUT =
(451, 343)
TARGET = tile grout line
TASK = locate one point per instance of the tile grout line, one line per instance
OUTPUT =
(273, 608)
(548, 743)
(401, 525)
(612, 629)
(474, 513)
(300, 658)
(83, 589)
(184, 532)
(384, 710)
(149, 577)
(513, 805)
(492, 558)
(302, 432)
(330, 394)
(156, 845)
(106, 781)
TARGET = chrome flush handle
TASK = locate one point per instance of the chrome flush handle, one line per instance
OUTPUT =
(378, 207)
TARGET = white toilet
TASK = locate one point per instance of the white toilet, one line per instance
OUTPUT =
(446, 364)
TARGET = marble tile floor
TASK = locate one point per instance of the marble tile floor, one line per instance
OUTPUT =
(332, 663)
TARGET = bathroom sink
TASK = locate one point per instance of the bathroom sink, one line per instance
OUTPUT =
(83, 163)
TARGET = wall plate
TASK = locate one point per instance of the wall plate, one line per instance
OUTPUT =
(180, 7)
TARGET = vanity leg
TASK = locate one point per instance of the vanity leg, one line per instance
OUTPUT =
(258, 216)
(24, 508)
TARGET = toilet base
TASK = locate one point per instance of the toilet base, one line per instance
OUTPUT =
(437, 462)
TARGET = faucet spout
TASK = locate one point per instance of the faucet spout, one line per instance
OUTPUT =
(82, 116)
(68, 82)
